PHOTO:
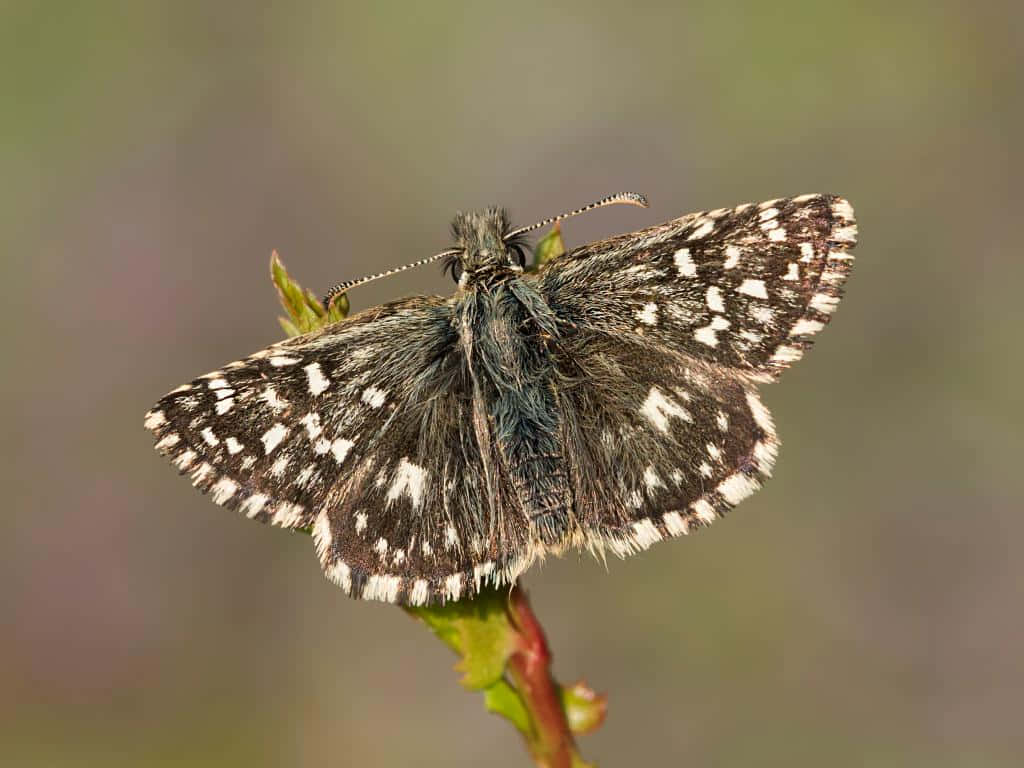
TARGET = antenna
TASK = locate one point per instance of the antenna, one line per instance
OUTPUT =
(627, 198)
(343, 287)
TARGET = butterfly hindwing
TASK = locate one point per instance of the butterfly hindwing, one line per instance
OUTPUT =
(744, 287)
(657, 443)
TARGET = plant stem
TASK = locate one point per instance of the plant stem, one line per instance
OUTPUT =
(551, 742)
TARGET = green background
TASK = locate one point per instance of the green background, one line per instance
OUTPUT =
(864, 609)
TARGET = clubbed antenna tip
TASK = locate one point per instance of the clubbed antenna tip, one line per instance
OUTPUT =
(623, 198)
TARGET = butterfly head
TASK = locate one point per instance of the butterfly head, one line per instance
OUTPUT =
(485, 252)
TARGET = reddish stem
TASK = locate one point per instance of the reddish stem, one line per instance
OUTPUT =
(552, 744)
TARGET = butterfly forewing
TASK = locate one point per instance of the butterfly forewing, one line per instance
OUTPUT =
(745, 287)
(360, 432)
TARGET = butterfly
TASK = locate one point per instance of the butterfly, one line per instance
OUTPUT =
(436, 446)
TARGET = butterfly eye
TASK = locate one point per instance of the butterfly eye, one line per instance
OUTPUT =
(453, 266)
(518, 256)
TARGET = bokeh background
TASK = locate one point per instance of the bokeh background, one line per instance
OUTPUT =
(863, 610)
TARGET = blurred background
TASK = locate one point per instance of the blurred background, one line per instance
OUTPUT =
(864, 609)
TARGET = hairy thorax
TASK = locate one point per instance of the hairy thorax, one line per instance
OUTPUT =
(507, 334)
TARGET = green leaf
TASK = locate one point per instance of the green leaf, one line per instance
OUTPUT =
(479, 630)
(549, 247)
(502, 699)
(305, 312)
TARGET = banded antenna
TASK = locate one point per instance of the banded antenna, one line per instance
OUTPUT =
(626, 198)
(341, 288)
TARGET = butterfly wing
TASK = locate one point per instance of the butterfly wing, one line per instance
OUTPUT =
(362, 433)
(671, 328)
(657, 443)
(743, 287)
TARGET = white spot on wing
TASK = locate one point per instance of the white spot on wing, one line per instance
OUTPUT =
(845, 234)
(704, 511)
(168, 441)
(210, 438)
(453, 586)
(318, 383)
(233, 446)
(341, 575)
(752, 287)
(254, 504)
(651, 479)
(706, 228)
(659, 409)
(311, 421)
(280, 361)
(223, 406)
(273, 437)
(806, 327)
(269, 396)
(685, 265)
(714, 299)
(322, 535)
(649, 314)
(762, 313)
(675, 524)
(732, 257)
(737, 487)
(184, 459)
(374, 397)
(777, 235)
(824, 303)
(762, 417)
(481, 572)
(419, 593)
(708, 334)
(786, 354)
(340, 449)
(765, 453)
(287, 515)
(792, 271)
(155, 419)
(223, 490)
(302, 479)
(409, 479)
(842, 209)
(280, 466)
(360, 522)
(645, 533)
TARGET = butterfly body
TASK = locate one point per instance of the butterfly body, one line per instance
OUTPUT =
(437, 445)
